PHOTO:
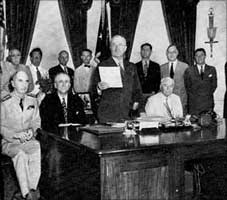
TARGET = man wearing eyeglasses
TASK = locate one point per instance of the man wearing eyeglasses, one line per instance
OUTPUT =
(117, 104)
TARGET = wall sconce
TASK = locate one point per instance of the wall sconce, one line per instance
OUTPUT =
(211, 31)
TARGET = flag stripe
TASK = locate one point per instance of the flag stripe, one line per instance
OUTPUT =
(1, 14)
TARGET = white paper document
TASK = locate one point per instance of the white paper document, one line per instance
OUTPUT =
(111, 75)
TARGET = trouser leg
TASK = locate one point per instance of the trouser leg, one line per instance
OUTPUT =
(34, 165)
(20, 162)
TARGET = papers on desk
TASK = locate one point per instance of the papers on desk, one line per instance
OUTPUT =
(111, 75)
(69, 124)
(149, 122)
(148, 139)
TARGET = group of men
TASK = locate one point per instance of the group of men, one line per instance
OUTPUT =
(174, 89)
(195, 85)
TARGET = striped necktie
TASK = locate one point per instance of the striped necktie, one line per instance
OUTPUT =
(168, 109)
(38, 74)
(64, 110)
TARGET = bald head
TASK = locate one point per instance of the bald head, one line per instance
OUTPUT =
(20, 82)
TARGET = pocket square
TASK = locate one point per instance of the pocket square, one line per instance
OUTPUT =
(210, 75)
(30, 107)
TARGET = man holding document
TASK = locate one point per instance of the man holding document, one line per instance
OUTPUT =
(117, 81)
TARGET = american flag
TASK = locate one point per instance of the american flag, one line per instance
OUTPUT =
(2, 24)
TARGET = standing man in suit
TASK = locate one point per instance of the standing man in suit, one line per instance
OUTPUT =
(116, 103)
(61, 106)
(200, 83)
(175, 69)
(148, 71)
(63, 58)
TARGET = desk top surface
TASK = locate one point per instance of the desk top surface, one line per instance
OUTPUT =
(117, 142)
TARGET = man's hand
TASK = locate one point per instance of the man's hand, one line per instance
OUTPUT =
(24, 136)
(103, 86)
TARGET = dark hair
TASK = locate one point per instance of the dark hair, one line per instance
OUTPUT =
(88, 50)
(171, 45)
(200, 49)
(37, 49)
(146, 44)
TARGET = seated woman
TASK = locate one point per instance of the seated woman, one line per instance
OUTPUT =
(19, 121)
(164, 104)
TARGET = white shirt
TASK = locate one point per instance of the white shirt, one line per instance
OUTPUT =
(155, 106)
(61, 99)
(199, 68)
(82, 78)
(119, 63)
(174, 65)
(44, 74)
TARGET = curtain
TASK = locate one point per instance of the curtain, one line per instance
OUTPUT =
(74, 18)
(20, 23)
(180, 18)
(103, 39)
(124, 17)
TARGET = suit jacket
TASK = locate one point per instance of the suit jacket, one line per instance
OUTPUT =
(116, 103)
(57, 69)
(52, 114)
(151, 82)
(200, 91)
(179, 88)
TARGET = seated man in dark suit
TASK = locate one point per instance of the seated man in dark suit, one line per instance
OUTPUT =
(61, 106)
(148, 71)
(63, 58)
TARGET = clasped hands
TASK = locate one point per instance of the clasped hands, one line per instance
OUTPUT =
(24, 135)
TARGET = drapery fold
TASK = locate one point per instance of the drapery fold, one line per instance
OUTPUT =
(74, 18)
(180, 18)
(21, 17)
(124, 18)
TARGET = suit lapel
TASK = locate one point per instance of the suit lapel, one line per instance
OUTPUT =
(196, 71)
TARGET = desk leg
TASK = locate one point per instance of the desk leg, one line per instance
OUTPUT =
(176, 177)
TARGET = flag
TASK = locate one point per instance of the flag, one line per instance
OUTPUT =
(2, 31)
(2, 25)
(103, 39)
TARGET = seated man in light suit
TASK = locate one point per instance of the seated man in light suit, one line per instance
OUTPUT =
(164, 104)
(19, 121)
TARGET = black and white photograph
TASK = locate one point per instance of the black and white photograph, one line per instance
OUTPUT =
(113, 99)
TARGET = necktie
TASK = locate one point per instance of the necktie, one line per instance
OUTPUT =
(145, 68)
(201, 72)
(87, 66)
(168, 109)
(64, 110)
(171, 71)
(121, 69)
(38, 74)
(21, 104)
(66, 70)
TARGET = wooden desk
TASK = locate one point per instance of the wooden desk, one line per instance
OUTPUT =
(113, 166)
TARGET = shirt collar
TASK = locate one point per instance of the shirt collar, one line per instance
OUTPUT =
(121, 62)
(61, 98)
